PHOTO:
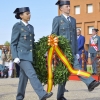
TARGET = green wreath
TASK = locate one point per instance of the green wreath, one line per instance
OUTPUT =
(60, 72)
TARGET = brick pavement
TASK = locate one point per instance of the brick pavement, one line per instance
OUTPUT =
(77, 91)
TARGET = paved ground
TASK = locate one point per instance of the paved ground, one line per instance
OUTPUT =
(77, 91)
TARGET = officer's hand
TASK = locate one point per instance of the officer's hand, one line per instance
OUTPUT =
(77, 56)
(17, 60)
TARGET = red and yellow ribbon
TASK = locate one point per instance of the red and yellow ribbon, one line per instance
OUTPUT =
(53, 42)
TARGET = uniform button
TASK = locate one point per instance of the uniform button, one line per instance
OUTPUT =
(71, 35)
(31, 50)
(71, 40)
(30, 34)
(31, 45)
(21, 50)
(30, 40)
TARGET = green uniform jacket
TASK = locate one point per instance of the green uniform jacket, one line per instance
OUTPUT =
(97, 42)
(22, 41)
(67, 29)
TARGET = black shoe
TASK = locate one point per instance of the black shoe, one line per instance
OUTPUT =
(62, 98)
(48, 95)
(93, 85)
(66, 90)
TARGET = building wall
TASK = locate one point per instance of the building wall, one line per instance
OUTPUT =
(86, 20)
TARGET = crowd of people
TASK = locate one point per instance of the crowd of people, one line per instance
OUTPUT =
(94, 46)
(8, 69)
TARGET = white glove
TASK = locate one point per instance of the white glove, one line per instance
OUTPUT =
(77, 56)
(17, 60)
(46, 54)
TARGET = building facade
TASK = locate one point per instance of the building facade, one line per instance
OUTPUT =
(87, 15)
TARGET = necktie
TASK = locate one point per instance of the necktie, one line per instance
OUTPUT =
(28, 26)
(68, 19)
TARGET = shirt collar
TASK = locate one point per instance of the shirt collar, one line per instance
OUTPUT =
(78, 36)
(65, 16)
(24, 23)
(94, 36)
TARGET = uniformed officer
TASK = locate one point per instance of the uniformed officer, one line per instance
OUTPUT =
(22, 41)
(65, 25)
(94, 46)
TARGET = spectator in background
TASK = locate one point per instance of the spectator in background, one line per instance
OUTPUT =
(94, 46)
(0, 55)
(81, 42)
(3, 57)
(1, 61)
(10, 63)
(4, 63)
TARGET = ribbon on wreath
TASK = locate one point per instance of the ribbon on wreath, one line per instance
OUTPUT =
(53, 42)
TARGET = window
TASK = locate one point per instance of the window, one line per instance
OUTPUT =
(89, 8)
(90, 29)
(77, 9)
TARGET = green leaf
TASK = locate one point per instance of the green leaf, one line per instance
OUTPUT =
(60, 72)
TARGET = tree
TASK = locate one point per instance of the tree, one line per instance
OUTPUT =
(7, 43)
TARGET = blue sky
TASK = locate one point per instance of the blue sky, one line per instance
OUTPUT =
(42, 14)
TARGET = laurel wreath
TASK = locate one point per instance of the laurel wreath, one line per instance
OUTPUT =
(60, 72)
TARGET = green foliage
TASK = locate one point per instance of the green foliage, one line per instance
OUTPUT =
(7, 43)
(60, 72)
